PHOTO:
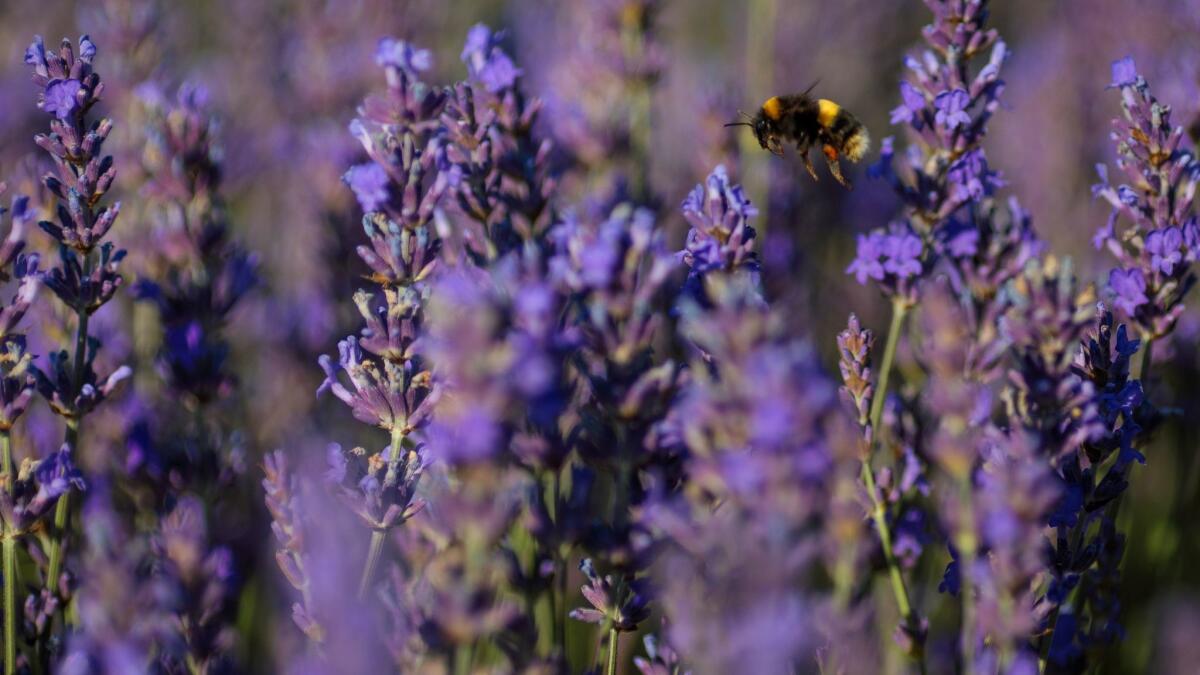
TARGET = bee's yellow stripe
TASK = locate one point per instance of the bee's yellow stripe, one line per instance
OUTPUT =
(827, 111)
(772, 108)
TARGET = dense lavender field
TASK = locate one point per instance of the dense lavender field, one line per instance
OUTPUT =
(467, 337)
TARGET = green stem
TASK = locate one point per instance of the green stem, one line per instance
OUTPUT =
(463, 656)
(612, 651)
(1141, 370)
(899, 312)
(878, 510)
(62, 510)
(6, 459)
(879, 518)
(374, 551)
(633, 40)
(966, 550)
(10, 602)
(378, 537)
(558, 594)
(10, 567)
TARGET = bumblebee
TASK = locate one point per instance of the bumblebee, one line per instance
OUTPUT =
(805, 121)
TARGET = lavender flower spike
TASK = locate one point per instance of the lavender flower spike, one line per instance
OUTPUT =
(1161, 238)
(87, 275)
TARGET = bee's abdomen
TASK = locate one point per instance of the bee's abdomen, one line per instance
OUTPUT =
(845, 132)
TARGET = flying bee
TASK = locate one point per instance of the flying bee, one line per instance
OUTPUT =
(805, 121)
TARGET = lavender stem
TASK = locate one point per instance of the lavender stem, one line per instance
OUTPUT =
(633, 43)
(1141, 371)
(61, 513)
(612, 651)
(966, 550)
(10, 566)
(899, 312)
(878, 510)
(373, 553)
(6, 460)
(62, 510)
(558, 594)
(378, 536)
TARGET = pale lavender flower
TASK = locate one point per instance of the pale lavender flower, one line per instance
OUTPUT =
(951, 108)
(1165, 247)
(720, 237)
(403, 55)
(370, 185)
(1129, 289)
(60, 98)
(486, 61)
(288, 525)
(895, 258)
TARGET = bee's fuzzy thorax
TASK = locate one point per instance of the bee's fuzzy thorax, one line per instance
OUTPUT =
(772, 108)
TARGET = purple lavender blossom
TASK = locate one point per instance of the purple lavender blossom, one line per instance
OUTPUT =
(719, 213)
(868, 261)
(720, 238)
(1129, 287)
(911, 107)
(1155, 250)
(486, 61)
(370, 185)
(951, 108)
(1124, 73)
(894, 258)
(207, 274)
(1165, 249)
(288, 525)
(400, 54)
(87, 276)
(61, 97)
(854, 348)
(901, 255)
(783, 472)
(945, 110)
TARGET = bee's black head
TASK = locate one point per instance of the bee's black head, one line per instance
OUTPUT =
(764, 131)
(767, 135)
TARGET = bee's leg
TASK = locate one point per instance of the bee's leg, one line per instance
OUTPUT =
(835, 168)
(807, 162)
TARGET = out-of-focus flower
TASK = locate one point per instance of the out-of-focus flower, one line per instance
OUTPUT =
(370, 185)
(486, 61)
(753, 415)
(400, 54)
(615, 603)
(720, 237)
(288, 526)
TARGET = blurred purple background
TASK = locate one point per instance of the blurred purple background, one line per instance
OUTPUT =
(285, 78)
